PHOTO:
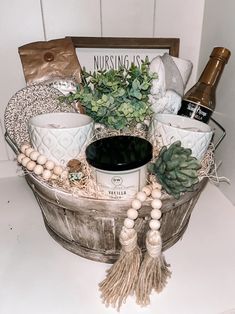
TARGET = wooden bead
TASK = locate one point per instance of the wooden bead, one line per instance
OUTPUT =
(136, 204)
(28, 151)
(31, 165)
(34, 155)
(129, 223)
(41, 160)
(154, 224)
(156, 203)
(125, 235)
(157, 185)
(24, 161)
(146, 190)
(64, 175)
(49, 164)
(46, 174)
(24, 147)
(20, 157)
(132, 213)
(54, 176)
(141, 196)
(156, 193)
(156, 213)
(58, 170)
(38, 169)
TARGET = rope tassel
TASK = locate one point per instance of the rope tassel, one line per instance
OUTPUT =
(128, 275)
(123, 275)
(154, 270)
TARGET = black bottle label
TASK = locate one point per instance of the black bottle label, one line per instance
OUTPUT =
(194, 111)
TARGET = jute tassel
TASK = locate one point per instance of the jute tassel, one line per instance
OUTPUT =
(154, 270)
(122, 277)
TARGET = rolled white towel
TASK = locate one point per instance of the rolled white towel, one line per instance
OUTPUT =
(159, 84)
(169, 103)
(185, 67)
(168, 88)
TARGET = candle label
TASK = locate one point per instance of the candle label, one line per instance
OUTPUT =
(120, 185)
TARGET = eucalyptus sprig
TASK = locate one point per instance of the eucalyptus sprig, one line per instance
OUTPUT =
(117, 98)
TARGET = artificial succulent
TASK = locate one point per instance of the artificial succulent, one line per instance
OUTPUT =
(176, 169)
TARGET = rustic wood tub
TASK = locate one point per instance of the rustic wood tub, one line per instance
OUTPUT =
(90, 227)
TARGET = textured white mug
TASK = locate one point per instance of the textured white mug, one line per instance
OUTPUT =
(60, 136)
(165, 129)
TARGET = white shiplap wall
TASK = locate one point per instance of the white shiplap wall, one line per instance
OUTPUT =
(182, 19)
(20, 23)
(26, 21)
(132, 18)
(71, 17)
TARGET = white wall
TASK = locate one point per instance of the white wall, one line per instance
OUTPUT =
(218, 30)
(182, 19)
(20, 23)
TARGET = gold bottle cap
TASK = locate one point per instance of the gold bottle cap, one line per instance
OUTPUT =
(221, 53)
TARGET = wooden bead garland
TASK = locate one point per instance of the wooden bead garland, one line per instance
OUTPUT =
(38, 169)
(28, 151)
(34, 155)
(156, 204)
(49, 165)
(24, 147)
(31, 165)
(24, 161)
(33, 161)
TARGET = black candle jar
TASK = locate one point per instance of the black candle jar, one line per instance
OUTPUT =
(119, 164)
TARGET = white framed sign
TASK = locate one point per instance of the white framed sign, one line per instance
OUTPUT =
(105, 53)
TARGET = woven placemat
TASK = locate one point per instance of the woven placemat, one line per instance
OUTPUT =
(29, 102)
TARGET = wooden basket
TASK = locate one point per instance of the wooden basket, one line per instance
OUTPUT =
(90, 227)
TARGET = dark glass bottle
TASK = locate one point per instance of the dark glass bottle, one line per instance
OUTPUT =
(199, 102)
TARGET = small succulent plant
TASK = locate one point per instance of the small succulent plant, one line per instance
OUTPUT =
(175, 169)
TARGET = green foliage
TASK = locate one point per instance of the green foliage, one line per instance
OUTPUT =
(176, 169)
(116, 98)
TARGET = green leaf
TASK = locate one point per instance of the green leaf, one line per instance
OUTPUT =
(136, 84)
(117, 97)
(136, 93)
(101, 112)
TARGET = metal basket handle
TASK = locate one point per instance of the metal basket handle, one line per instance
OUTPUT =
(11, 143)
(223, 133)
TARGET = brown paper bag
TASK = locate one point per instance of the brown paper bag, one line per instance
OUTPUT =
(48, 60)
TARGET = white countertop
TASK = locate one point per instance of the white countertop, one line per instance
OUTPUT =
(38, 276)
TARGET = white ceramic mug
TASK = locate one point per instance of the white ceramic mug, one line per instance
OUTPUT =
(61, 136)
(168, 128)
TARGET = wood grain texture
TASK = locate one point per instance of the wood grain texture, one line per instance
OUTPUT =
(131, 43)
(91, 227)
